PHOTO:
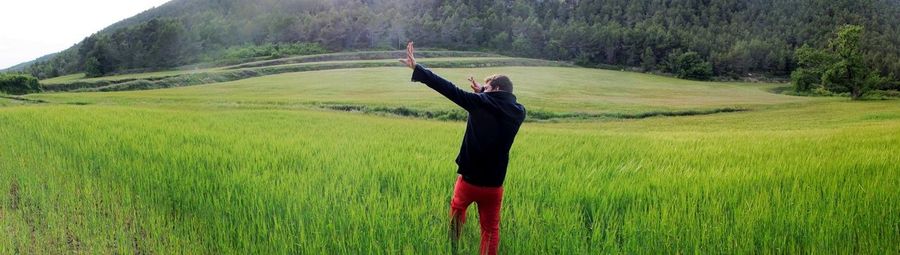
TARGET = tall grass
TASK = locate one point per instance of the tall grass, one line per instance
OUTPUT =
(817, 178)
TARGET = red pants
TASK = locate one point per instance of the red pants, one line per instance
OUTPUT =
(488, 200)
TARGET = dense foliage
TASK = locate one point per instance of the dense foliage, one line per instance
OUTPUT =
(839, 68)
(736, 38)
(16, 84)
(689, 65)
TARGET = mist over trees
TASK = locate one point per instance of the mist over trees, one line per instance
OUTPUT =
(690, 38)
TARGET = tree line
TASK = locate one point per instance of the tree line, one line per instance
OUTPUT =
(838, 68)
(18, 84)
(690, 38)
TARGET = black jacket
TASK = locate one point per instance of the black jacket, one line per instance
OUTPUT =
(494, 119)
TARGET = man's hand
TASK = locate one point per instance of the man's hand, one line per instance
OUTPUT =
(477, 88)
(410, 60)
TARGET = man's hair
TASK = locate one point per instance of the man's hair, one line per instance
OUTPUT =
(500, 82)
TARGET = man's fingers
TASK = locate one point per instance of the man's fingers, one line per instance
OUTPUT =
(410, 59)
(409, 47)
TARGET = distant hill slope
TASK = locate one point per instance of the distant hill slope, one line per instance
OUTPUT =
(23, 66)
(736, 37)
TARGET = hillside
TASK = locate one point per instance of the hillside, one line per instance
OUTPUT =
(737, 38)
(23, 66)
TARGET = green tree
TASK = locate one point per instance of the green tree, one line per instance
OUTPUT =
(849, 73)
(500, 40)
(521, 45)
(92, 67)
(812, 63)
(690, 65)
(648, 60)
(97, 61)
(17, 84)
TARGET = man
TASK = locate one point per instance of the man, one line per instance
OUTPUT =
(494, 119)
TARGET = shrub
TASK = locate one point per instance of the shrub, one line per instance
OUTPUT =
(805, 79)
(17, 84)
(881, 94)
(690, 65)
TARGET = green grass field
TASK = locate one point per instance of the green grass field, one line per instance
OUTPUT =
(543, 88)
(255, 167)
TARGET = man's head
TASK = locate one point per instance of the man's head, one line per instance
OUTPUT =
(498, 82)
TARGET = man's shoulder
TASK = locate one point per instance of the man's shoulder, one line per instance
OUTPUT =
(501, 95)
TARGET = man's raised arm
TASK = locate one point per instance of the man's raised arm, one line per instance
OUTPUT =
(464, 99)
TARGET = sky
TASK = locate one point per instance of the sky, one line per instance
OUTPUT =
(30, 29)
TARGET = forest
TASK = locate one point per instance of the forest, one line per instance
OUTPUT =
(724, 38)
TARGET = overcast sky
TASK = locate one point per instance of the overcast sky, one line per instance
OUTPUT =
(32, 28)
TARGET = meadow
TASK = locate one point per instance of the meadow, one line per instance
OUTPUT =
(256, 166)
